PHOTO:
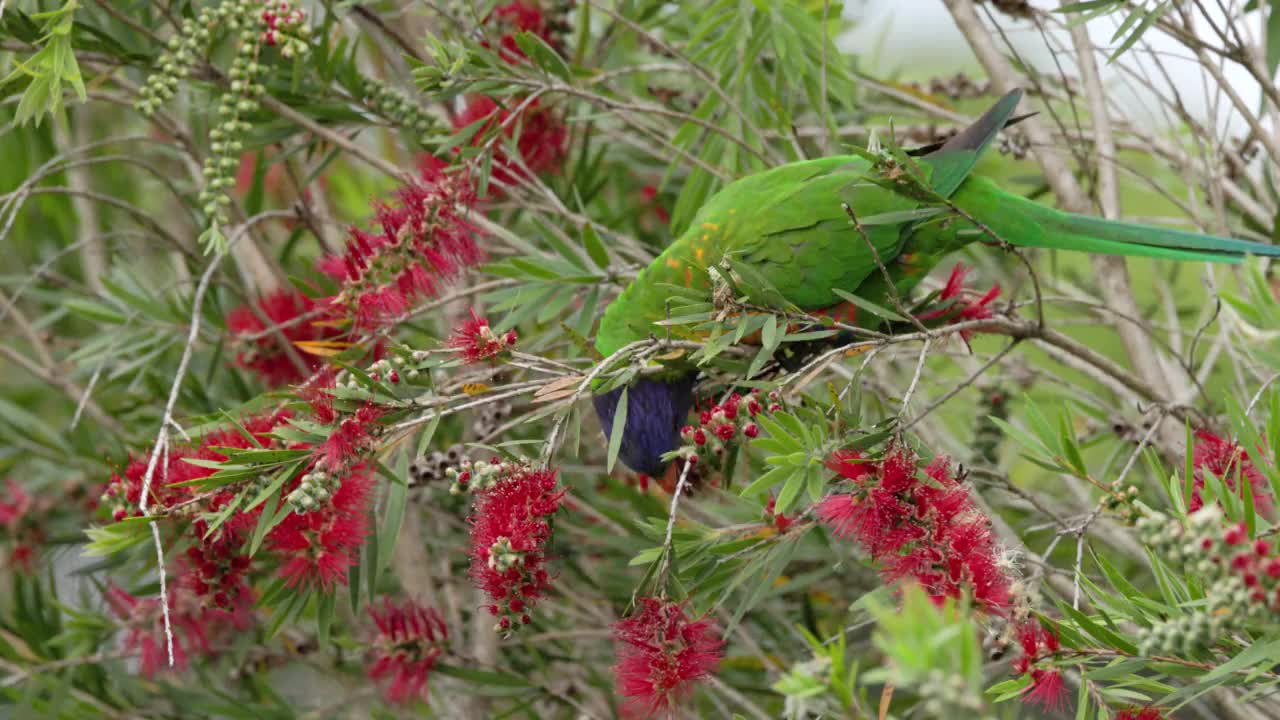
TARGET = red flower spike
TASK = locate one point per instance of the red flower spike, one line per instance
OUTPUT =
(410, 640)
(1227, 461)
(264, 355)
(510, 528)
(543, 136)
(21, 517)
(780, 522)
(661, 655)
(477, 341)
(196, 625)
(929, 531)
(319, 547)
(959, 304)
(1141, 713)
(421, 243)
(1047, 689)
(350, 440)
(516, 17)
(1236, 535)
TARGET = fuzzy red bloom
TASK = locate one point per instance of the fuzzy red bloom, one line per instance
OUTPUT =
(649, 194)
(477, 341)
(516, 17)
(1140, 713)
(319, 547)
(15, 506)
(1047, 689)
(1228, 461)
(350, 440)
(219, 570)
(421, 243)
(780, 522)
(410, 640)
(661, 655)
(959, 304)
(542, 141)
(196, 625)
(123, 491)
(926, 530)
(261, 353)
(510, 529)
(21, 519)
(319, 399)
(1038, 643)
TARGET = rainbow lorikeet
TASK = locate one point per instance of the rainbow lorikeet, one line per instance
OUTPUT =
(791, 226)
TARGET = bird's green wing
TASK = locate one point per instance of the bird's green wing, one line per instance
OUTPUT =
(955, 159)
(801, 239)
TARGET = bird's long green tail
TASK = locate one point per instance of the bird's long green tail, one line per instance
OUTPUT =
(1025, 223)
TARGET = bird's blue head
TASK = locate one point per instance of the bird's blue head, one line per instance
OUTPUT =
(656, 410)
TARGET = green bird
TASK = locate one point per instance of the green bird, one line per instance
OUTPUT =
(790, 224)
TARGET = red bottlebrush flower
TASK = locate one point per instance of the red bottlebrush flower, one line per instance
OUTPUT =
(649, 194)
(1140, 713)
(780, 522)
(410, 640)
(1047, 689)
(958, 304)
(14, 507)
(1227, 461)
(421, 243)
(542, 142)
(319, 399)
(218, 570)
(124, 491)
(661, 655)
(926, 530)
(477, 341)
(1039, 642)
(196, 625)
(350, 440)
(319, 547)
(261, 352)
(21, 519)
(510, 529)
(516, 17)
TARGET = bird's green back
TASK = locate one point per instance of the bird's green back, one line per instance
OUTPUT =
(788, 223)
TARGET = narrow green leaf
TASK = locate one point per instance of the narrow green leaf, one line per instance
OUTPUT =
(618, 427)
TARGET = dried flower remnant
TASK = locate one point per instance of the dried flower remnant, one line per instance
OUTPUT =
(510, 530)
(926, 530)
(661, 656)
(422, 242)
(477, 341)
(1229, 462)
(410, 641)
